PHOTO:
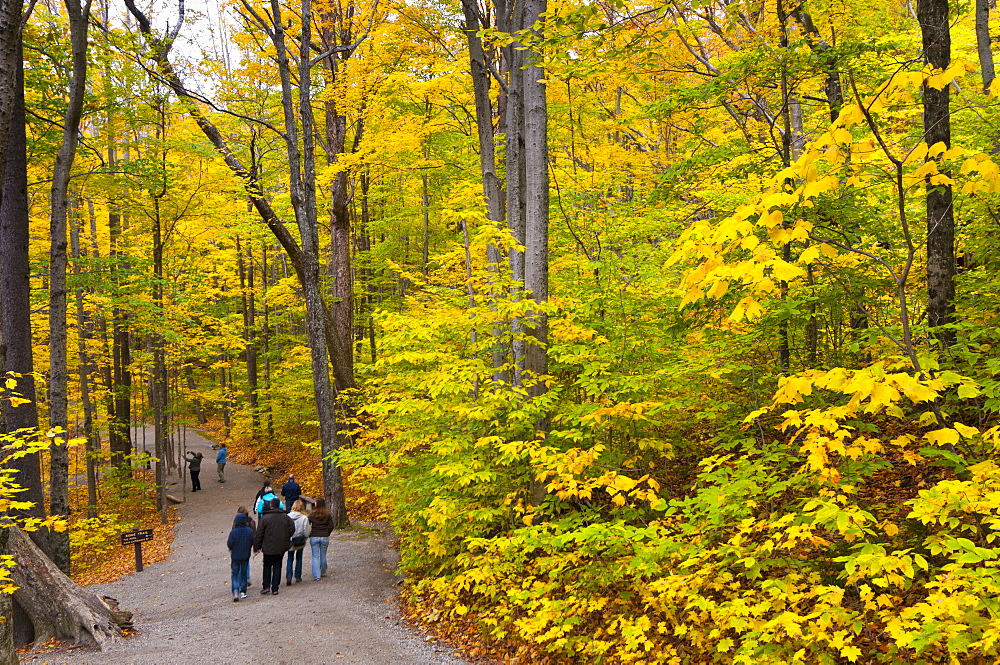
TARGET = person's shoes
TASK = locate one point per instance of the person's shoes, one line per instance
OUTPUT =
(264, 592)
(298, 580)
(236, 599)
(288, 581)
(274, 593)
(315, 579)
(243, 594)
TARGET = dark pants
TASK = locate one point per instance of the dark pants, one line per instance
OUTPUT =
(272, 571)
(195, 482)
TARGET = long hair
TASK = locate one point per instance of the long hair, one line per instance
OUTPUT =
(242, 510)
(320, 511)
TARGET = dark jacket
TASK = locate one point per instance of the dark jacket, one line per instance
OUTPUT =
(194, 462)
(240, 539)
(321, 528)
(291, 491)
(274, 533)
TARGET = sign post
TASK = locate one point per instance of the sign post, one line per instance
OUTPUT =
(137, 537)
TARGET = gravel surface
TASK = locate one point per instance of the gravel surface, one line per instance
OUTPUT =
(184, 611)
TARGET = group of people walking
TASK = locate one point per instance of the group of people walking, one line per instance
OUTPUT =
(283, 527)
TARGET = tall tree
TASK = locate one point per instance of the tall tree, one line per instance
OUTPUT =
(935, 34)
(79, 18)
(15, 302)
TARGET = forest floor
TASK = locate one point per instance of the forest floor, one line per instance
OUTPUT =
(184, 611)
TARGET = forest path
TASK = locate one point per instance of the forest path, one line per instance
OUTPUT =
(184, 611)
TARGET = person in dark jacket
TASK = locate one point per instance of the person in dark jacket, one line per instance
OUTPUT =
(253, 527)
(291, 491)
(319, 538)
(273, 538)
(194, 464)
(240, 543)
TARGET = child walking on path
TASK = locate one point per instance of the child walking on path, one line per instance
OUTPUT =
(239, 543)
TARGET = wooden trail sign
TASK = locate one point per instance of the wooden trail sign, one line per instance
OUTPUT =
(137, 537)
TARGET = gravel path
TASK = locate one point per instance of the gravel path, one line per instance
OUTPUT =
(184, 611)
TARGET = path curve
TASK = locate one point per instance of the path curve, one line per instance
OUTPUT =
(184, 611)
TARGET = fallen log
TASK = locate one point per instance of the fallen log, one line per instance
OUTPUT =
(57, 607)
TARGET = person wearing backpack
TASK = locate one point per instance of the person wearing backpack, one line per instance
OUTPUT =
(273, 538)
(239, 543)
(299, 539)
(264, 502)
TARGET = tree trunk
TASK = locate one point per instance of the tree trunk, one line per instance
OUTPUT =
(479, 69)
(515, 144)
(15, 306)
(59, 205)
(86, 367)
(120, 409)
(936, 37)
(303, 194)
(158, 380)
(536, 220)
(245, 270)
(58, 608)
(983, 43)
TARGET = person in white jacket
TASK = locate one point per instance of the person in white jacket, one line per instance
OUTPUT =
(299, 540)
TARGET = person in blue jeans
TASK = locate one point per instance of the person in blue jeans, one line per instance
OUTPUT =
(299, 539)
(239, 543)
(319, 540)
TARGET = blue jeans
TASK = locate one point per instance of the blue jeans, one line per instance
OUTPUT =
(297, 556)
(319, 546)
(241, 573)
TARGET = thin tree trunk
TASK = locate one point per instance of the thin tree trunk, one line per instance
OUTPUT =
(245, 270)
(936, 37)
(983, 43)
(516, 185)
(479, 69)
(79, 16)
(86, 367)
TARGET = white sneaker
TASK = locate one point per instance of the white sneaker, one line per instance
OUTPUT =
(243, 594)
